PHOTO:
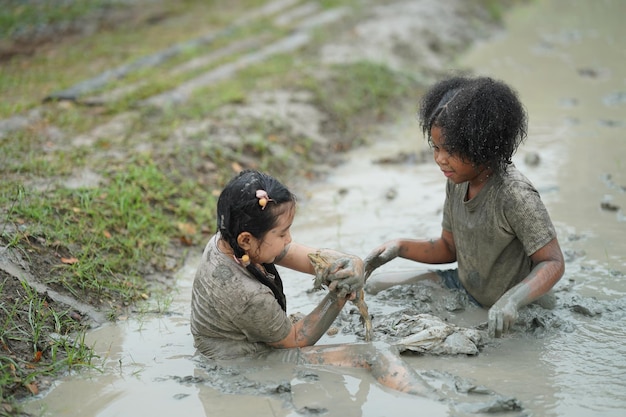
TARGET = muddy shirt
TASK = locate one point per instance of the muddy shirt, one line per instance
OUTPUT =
(496, 232)
(232, 314)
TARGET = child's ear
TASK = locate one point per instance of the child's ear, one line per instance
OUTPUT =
(245, 240)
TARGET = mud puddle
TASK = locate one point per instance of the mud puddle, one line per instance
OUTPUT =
(570, 76)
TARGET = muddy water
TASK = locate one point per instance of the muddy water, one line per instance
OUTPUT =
(566, 60)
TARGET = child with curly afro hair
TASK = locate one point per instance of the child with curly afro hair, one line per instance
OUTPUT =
(495, 225)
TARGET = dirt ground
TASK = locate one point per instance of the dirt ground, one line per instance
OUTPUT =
(397, 33)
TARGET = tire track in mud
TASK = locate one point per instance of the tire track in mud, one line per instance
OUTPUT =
(282, 7)
(79, 92)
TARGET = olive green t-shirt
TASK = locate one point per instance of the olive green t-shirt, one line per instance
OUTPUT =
(496, 232)
(232, 313)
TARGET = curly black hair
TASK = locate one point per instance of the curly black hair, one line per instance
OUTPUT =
(482, 119)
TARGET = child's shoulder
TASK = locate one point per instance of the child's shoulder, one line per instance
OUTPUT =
(515, 186)
(514, 175)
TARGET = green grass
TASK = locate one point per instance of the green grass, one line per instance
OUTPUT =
(21, 16)
(122, 226)
(55, 340)
(366, 88)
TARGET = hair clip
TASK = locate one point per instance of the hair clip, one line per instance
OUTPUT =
(244, 261)
(263, 198)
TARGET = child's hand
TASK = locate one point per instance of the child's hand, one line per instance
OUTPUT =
(348, 276)
(342, 273)
(351, 296)
(380, 256)
(502, 316)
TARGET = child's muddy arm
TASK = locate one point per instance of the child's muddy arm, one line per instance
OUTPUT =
(311, 328)
(548, 270)
(430, 251)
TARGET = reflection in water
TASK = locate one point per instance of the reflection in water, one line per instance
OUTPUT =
(569, 71)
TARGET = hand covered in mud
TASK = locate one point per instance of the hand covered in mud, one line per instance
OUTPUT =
(380, 256)
(502, 316)
(342, 273)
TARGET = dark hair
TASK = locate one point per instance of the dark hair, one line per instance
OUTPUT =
(482, 119)
(238, 211)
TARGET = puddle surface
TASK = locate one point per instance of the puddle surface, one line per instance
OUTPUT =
(570, 74)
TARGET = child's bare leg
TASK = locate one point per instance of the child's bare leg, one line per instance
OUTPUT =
(383, 362)
(381, 281)
(391, 371)
(351, 356)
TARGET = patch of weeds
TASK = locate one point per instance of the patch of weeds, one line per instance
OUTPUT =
(105, 239)
(275, 72)
(365, 87)
(204, 102)
(18, 18)
(29, 155)
(263, 147)
(38, 340)
(22, 153)
(158, 304)
(497, 8)
(72, 119)
(361, 95)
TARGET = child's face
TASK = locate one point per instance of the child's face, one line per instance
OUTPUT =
(273, 243)
(453, 167)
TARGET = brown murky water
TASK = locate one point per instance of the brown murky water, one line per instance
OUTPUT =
(566, 58)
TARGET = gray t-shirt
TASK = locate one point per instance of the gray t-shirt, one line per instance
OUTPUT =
(232, 313)
(496, 232)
